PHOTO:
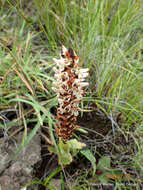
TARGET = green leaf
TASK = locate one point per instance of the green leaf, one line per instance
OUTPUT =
(65, 157)
(103, 179)
(74, 144)
(87, 153)
(64, 147)
(56, 171)
(52, 149)
(104, 163)
(82, 131)
(31, 135)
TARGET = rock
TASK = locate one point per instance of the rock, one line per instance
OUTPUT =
(4, 160)
(17, 172)
(6, 183)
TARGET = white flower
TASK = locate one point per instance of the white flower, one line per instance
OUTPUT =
(61, 101)
(83, 70)
(77, 81)
(57, 83)
(65, 75)
(55, 89)
(57, 76)
(61, 90)
(56, 70)
(82, 75)
(78, 94)
(60, 63)
(67, 98)
(64, 50)
(24, 188)
(83, 84)
(75, 113)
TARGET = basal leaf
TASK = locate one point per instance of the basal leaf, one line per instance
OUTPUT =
(87, 153)
(104, 163)
(74, 144)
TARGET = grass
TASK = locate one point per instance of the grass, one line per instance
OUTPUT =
(108, 37)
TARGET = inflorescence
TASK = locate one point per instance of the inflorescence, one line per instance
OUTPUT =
(69, 86)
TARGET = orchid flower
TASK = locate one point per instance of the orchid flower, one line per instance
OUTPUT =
(69, 87)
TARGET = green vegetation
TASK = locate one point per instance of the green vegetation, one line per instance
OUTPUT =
(108, 37)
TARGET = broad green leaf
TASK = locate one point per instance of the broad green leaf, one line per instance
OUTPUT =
(74, 144)
(52, 149)
(65, 158)
(87, 153)
(64, 154)
(104, 163)
(63, 147)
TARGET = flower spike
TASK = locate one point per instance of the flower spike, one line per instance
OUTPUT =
(69, 86)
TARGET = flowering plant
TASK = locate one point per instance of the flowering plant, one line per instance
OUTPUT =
(70, 88)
